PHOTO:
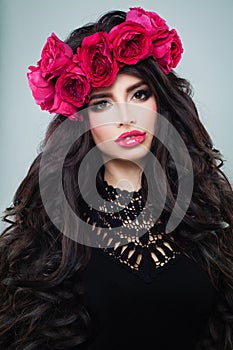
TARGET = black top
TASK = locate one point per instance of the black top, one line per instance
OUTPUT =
(141, 290)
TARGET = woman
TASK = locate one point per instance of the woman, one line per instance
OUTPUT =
(96, 262)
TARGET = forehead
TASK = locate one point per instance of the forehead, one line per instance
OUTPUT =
(123, 82)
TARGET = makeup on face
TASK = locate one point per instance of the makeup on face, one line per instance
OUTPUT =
(122, 118)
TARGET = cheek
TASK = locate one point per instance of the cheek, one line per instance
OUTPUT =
(150, 139)
(149, 115)
(95, 135)
(153, 104)
(148, 120)
(99, 134)
(99, 128)
(153, 107)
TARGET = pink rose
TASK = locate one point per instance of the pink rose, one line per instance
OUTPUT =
(161, 45)
(42, 90)
(62, 107)
(76, 117)
(131, 42)
(97, 61)
(168, 51)
(55, 56)
(151, 21)
(72, 91)
(176, 48)
(165, 62)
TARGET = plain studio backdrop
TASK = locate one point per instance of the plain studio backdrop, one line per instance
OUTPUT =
(205, 27)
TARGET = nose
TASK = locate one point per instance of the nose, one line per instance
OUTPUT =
(125, 114)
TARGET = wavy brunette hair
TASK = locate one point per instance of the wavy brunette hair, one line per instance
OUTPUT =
(42, 295)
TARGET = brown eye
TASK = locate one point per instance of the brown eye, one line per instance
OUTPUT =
(142, 95)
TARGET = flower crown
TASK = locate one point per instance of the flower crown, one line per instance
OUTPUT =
(62, 80)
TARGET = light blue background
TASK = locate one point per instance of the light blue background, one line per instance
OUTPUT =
(205, 27)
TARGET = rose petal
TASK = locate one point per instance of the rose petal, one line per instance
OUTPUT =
(42, 90)
(55, 56)
(97, 60)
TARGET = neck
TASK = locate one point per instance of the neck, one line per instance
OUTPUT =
(123, 174)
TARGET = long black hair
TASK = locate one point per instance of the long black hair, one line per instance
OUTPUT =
(42, 296)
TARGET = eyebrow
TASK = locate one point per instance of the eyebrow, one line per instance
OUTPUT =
(109, 94)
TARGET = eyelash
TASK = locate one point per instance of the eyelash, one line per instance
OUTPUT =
(98, 106)
(146, 92)
(102, 104)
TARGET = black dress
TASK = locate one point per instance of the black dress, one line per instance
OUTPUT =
(141, 290)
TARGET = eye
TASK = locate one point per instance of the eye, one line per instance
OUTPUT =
(99, 106)
(142, 95)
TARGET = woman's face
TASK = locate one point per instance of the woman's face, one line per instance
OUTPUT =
(127, 105)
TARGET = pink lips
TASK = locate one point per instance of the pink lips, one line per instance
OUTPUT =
(131, 139)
